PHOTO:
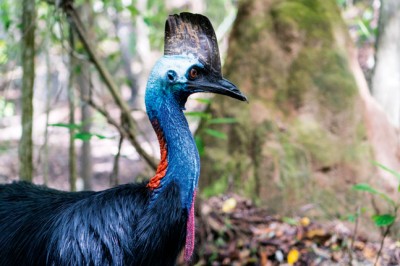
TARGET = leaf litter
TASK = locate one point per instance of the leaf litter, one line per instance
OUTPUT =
(231, 230)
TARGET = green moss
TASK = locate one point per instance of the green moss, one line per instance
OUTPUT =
(334, 81)
(307, 16)
(323, 148)
(326, 71)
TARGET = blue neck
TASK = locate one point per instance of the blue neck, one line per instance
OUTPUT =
(182, 156)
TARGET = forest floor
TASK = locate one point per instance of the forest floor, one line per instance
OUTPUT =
(233, 231)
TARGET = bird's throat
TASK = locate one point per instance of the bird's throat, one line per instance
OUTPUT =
(180, 162)
(162, 167)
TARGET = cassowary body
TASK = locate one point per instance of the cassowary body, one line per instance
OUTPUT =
(133, 224)
(41, 226)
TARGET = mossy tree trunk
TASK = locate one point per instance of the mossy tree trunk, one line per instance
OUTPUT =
(28, 65)
(300, 141)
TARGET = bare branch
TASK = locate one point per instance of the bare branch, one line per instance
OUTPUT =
(114, 173)
(129, 131)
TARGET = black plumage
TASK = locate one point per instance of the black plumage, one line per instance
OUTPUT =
(89, 228)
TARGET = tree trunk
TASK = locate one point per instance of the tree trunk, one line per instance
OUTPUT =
(386, 77)
(124, 31)
(84, 82)
(300, 142)
(71, 104)
(28, 56)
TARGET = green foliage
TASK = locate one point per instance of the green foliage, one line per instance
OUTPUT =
(3, 52)
(367, 188)
(203, 100)
(7, 108)
(208, 120)
(387, 220)
(64, 125)
(225, 120)
(382, 220)
(218, 187)
(202, 115)
(5, 16)
(396, 174)
(5, 147)
(215, 133)
(290, 221)
(362, 22)
(84, 136)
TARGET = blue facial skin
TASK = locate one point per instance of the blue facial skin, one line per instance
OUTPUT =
(165, 98)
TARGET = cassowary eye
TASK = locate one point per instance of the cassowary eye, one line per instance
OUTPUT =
(193, 74)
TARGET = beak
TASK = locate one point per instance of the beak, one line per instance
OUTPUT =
(216, 85)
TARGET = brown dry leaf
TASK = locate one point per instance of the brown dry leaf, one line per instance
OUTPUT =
(359, 245)
(260, 231)
(279, 233)
(300, 233)
(263, 258)
(318, 232)
(244, 254)
(337, 256)
(369, 253)
(226, 261)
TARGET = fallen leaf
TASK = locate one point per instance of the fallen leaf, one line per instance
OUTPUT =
(316, 233)
(279, 255)
(263, 258)
(305, 221)
(229, 205)
(337, 256)
(293, 256)
(369, 253)
(359, 245)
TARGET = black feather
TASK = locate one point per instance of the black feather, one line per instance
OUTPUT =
(42, 226)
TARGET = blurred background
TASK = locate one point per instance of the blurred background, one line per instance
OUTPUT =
(319, 138)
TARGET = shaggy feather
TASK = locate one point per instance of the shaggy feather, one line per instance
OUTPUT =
(42, 226)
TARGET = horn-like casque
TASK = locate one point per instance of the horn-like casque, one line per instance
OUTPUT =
(188, 33)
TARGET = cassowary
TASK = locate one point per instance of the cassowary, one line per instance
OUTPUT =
(132, 224)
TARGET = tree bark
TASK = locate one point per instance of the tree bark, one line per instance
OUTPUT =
(124, 31)
(386, 76)
(84, 82)
(71, 103)
(301, 139)
(25, 150)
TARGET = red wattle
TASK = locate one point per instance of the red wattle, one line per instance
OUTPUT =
(189, 246)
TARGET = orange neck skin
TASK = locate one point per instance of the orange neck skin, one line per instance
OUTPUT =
(162, 167)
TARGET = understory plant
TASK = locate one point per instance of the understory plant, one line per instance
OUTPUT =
(386, 220)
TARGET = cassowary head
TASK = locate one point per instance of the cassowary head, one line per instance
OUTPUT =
(191, 62)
